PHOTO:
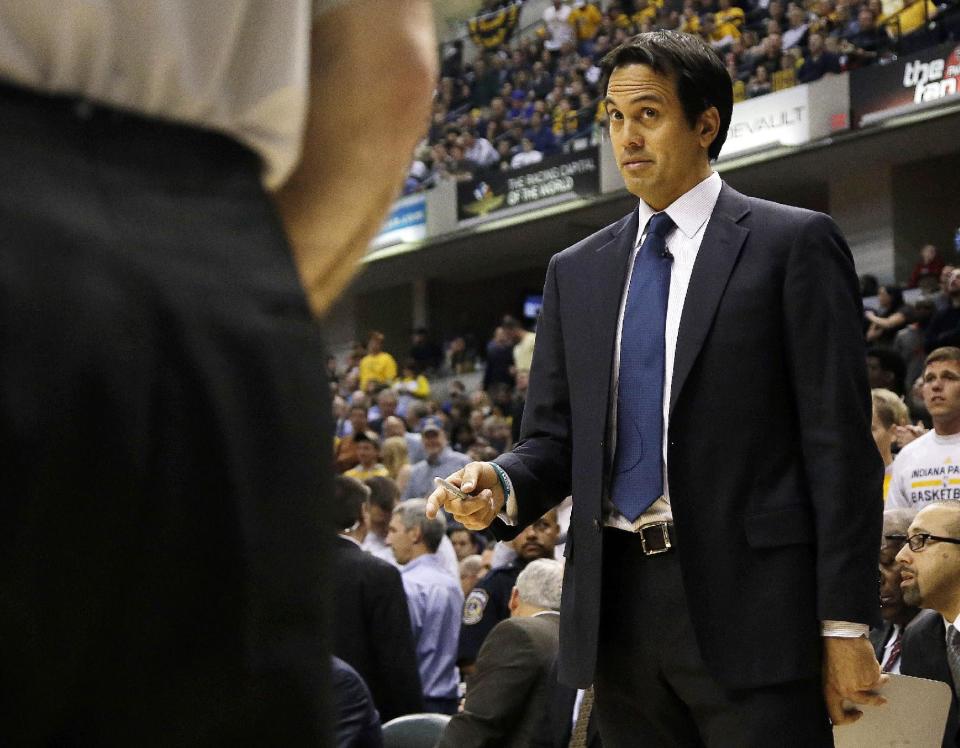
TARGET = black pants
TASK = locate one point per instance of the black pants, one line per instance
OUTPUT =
(164, 438)
(652, 687)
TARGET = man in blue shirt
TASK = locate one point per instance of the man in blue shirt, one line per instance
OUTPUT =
(440, 460)
(434, 598)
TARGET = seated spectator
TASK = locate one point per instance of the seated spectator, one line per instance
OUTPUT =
(585, 17)
(885, 370)
(931, 579)
(869, 42)
(889, 411)
(434, 598)
(356, 722)
(394, 426)
(499, 359)
(888, 639)
(496, 430)
(424, 353)
(557, 28)
(931, 455)
(478, 150)
(367, 446)
(944, 328)
(527, 156)
(930, 263)
(892, 316)
(759, 84)
(412, 383)
(541, 135)
(459, 359)
(471, 570)
(345, 452)
(383, 497)
(396, 460)
(795, 35)
(440, 460)
(377, 366)
(465, 542)
(909, 342)
(817, 62)
(507, 694)
(489, 602)
(459, 167)
(387, 405)
(371, 628)
(728, 20)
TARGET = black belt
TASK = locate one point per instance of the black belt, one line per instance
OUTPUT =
(655, 537)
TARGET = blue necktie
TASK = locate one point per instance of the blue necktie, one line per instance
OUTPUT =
(638, 462)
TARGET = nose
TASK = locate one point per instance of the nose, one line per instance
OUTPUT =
(903, 554)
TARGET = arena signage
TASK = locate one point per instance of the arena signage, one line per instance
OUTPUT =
(790, 117)
(407, 222)
(928, 78)
(555, 179)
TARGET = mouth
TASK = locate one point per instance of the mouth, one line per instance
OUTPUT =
(636, 164)
(886, 602)
(906, 577)
(535, 547)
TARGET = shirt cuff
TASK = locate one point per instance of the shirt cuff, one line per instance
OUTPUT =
(509, 514)
(844, 629)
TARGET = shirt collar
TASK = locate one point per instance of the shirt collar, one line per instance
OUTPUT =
(351, 539)
(689, 211)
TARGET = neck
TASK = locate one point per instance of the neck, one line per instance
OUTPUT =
(906, 614)
(660, 202)
(418, 551)
(947, 425)
(525, 610)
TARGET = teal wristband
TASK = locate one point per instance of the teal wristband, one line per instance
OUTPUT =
(502, 477)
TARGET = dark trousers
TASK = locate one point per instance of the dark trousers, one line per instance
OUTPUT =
(652, 687)
(165, 440)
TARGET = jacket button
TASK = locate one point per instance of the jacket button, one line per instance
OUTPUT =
(596, 524)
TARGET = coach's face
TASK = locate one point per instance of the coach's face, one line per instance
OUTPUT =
(658, 153)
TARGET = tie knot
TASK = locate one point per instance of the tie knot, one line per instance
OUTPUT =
(660, 225)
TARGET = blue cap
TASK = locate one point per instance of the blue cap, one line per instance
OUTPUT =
(431, 423)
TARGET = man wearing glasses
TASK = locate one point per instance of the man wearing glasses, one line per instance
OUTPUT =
(930, 575)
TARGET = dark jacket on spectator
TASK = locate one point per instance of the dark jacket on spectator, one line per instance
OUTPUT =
(944, 329)
(371, 629)
(356, 723)
(814, 69)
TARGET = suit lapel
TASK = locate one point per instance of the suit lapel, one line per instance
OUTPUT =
(718, 254)
(609, 266)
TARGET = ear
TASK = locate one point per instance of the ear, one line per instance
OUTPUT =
(514, 600)
(708, 126)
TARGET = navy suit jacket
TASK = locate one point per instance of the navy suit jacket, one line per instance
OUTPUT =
(924, 655)
(775, 481)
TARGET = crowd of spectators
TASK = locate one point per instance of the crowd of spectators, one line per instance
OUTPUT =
(537, 94)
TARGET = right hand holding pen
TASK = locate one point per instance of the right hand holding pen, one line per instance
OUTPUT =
(484, 499)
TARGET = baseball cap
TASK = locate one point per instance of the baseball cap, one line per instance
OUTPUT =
(431, 423)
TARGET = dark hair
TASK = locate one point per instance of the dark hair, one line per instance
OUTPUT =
(384, 493)
(348, 497)
(701, 77)
(896, 298)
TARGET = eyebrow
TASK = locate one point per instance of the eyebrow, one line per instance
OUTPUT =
(656, 98)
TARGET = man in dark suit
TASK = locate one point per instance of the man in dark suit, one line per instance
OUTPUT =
(931, 579)
(371, 623)
(508, 692)
(565, 709)
(699, 387)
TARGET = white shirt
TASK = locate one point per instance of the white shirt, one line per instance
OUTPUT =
(691, 213)
(525, 158)
(925, 471)
(556, 20)
(240, 67)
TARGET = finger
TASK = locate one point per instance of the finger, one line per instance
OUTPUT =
(434, 501)
(477, 521)
(847, 717)
(474, 505)
(867, 697)
(471, 476)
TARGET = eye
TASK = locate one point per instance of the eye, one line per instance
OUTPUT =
(613, 114)
(649, 113)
